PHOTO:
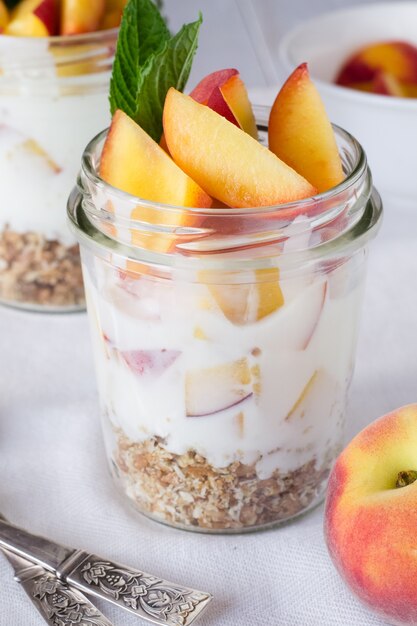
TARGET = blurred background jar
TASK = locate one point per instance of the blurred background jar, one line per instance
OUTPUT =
(53, 98)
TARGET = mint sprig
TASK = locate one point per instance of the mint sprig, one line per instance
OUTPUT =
(148, 62)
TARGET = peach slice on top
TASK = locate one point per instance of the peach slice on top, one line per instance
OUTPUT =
(133, 162)
(300, 132)
(225, 161)
(112, 14)
(225, 92)
(33, 18)
(79, 16)
(4, 16)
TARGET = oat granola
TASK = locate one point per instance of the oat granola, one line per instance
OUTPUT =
(186, 490)
(38, 271)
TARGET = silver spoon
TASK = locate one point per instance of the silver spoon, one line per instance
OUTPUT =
(56, 602)
(148, 596)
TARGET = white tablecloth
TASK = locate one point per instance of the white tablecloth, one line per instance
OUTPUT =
(54, 477)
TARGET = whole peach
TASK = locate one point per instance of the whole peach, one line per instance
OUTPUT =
(371, 516)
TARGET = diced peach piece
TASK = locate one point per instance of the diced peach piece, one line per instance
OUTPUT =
(133, 162)
(245, 304)
(112, 14)
(387, 85)
(36, 149)
(214, 389)
(300, 132)
(79, 16)
(226, 162)
(225, 92)
(149, 362)
(33, 18)
(4, 16)
(236, 96)
(397, 58)
(303, 317)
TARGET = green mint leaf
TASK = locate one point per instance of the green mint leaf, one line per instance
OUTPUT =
(170, 67)
(143, 32)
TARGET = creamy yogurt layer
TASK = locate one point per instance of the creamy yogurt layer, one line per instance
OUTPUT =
(172, 366)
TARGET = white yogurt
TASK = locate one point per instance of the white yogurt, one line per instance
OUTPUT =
(286, 375)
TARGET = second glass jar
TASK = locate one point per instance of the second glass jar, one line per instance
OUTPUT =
(53, 99)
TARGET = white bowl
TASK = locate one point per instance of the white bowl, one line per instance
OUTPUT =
(384, 125)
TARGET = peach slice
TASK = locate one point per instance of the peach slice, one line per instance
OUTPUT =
(33, 18)
(133, 162)
(224, 160)
(300, 132)
(397, 58)
(245, 304)
(225, 92)
(202, 92)
(236, 96)
(215, 389)
(4, 16)
(112, 14)
(149, 362)
(79, 16)
(303, 317)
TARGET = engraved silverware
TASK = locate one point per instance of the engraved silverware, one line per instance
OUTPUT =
(148, 596)
(57, 602)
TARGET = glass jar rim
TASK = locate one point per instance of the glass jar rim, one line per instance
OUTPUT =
(61, 40)
(89, 169)
(351, 198)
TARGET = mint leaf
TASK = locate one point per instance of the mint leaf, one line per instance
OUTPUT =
(143, 32)
(170, 67)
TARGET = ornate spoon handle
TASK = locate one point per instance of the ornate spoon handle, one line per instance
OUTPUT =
(56, 602)
(146, 595)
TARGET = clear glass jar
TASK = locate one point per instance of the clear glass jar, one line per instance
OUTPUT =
(53, 99)
(223, 365)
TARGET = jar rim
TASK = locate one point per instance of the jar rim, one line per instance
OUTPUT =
(89, 169)
(61, 40)
(353, 206)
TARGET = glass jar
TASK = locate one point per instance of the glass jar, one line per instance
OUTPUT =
(52, 101)
(223, 364)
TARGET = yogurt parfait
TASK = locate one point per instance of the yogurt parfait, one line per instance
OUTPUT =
(55, 65)
(224, 281)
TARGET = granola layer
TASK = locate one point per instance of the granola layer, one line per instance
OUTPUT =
(186, 490)
(38, 271)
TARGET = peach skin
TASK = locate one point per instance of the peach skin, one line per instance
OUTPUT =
(300, 132)
(225, 92)
(371, 516)
(224, 160)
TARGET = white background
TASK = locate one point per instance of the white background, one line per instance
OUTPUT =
(53, 471)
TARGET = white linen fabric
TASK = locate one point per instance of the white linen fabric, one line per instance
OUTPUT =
(54, 478)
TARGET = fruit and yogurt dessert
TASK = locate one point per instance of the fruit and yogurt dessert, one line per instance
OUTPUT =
(54, 76)
(223, 282)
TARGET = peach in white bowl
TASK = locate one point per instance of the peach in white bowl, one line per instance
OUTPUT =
(385, 125)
